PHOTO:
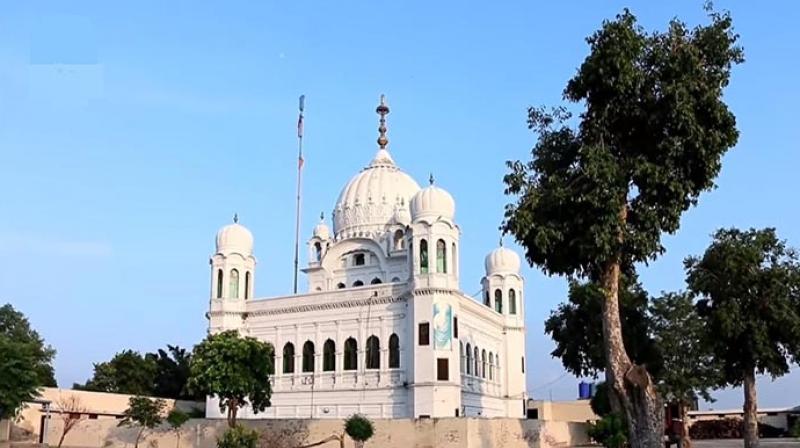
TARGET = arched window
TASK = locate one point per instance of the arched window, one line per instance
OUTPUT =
(358, 260)
(288, 358)
(469, 359)
(483, 363)
(219, 283)
(308, 356)
(461, 356)
(341, 286)
(454, 260)
(441, 256)
(486, 298)
(395, 279)
(317, 251)
(477, 354)
(373, 352)
(512, 301)
(358, 283)
(399, 241)
(350, 354)
(329, 356)
(247, 285)
(423, 257)
(394, 352)
(375, 281)
(498, 301)
(491, 365)
(233, 287)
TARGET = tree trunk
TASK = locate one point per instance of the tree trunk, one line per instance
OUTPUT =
(178, 443)
(138, 436)
(750, 411)
(636, 396)
(61, 440)
(686, 440)
(233, 406)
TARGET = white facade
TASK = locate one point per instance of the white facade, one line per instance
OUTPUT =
(384, 329)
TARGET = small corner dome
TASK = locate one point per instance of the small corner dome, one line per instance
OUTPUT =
(432, 202)
(321, 231)
(502, 261)
(235, 238)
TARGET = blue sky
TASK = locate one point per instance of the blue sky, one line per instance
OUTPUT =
(130, 133)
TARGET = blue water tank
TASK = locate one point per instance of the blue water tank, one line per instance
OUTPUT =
(584, 391)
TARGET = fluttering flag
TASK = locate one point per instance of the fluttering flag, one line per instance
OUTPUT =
(302, 106)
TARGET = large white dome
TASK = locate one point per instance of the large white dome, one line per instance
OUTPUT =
(367, 203)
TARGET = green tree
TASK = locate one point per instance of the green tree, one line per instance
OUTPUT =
(689, 369)
(172, 373)
(359, 428)
(25, 362)
(235, 369)
(748, 284)
(650, 138)
(578, 333)
(128, 372)
(176, 418)
(144, 413)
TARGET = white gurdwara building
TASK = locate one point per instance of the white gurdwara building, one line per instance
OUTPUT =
(384, 329)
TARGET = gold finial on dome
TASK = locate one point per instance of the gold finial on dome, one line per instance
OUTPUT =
(383, 111)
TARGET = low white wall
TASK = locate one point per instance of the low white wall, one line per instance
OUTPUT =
(399, 433)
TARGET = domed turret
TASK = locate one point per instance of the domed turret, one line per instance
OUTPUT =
(235, 238)
(502, 261)
(321, 230)
(432, 202)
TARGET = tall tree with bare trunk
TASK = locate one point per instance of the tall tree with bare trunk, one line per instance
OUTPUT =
(748, 283)
(597, 197)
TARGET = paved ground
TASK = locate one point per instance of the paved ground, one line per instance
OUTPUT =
(765, 443)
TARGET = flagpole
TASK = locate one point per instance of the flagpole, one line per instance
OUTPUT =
(299, 190)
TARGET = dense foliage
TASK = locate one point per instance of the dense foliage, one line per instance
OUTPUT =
(578, 332)
(164, 373)
(359, 428)
(610, 431)
(748, 285)
(238, 436)
(596, 197)
(25, 362)
(235, 369)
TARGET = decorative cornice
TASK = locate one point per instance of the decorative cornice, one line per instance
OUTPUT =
(353, 303)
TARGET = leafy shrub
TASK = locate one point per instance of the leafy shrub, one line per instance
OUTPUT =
(359, 428)
(238, 437)
(610, 431)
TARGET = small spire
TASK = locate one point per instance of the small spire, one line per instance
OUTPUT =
(501, 240)
(236, 218)
(322, 216)
(430, 179)
(383, 111)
